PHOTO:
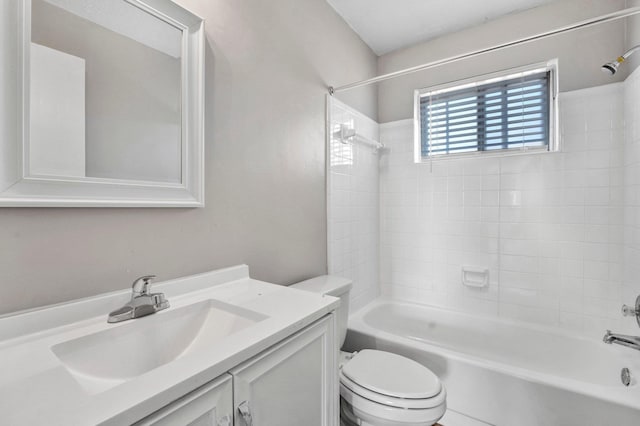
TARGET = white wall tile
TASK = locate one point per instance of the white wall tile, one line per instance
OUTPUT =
(629, 284)
(559, 232)
(353, 196)
(550, 227)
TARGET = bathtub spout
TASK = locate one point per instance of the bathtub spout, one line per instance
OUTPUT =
(621, 339)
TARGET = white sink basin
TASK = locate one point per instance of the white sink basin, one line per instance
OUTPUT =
(124, 351)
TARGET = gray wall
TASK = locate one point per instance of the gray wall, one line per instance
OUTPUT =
(580, 53)
(267, 67)
(633, 36)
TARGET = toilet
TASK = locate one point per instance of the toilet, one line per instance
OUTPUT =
(379, 388)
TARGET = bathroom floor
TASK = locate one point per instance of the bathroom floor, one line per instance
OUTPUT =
(453, 418)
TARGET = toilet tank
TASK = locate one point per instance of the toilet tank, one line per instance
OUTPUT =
(333, 286)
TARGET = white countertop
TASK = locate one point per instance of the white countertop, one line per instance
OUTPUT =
(37, 389)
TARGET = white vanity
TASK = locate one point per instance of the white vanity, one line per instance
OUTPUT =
(230, 350)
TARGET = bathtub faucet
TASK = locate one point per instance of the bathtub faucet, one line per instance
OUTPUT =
(622, 339)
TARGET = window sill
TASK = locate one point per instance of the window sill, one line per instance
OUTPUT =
(486, 154)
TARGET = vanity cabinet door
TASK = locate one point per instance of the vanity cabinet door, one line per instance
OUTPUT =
(292, 384)
(209, 405)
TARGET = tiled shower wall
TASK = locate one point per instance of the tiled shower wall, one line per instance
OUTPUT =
(549, 226)
(353, 204)
(631, 250)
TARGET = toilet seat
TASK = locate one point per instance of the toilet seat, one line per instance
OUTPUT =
(387, 387)
(390, 401)
(391, 375)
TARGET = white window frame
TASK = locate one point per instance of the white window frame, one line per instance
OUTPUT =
(550, 66)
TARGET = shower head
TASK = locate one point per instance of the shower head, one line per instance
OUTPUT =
(612, 67)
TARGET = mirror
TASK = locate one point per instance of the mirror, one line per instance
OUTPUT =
(112, 110)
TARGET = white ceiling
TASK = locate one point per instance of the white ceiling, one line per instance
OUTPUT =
(387, 25)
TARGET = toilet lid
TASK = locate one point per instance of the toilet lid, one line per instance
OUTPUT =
(392, 375)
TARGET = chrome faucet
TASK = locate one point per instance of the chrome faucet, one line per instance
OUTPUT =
(142, 302)
(622, 339)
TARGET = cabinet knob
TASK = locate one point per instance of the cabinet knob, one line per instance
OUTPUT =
(245, 412)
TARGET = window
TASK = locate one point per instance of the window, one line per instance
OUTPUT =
(513, 111)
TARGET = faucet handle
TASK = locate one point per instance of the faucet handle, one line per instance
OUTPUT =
(628, 311)
(159, 301)
(632, 311)
(140, 286)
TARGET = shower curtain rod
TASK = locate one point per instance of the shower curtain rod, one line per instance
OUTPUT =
(581, 24)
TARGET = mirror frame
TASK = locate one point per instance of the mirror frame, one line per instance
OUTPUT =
(17, 189)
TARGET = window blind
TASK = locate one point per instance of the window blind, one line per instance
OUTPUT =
(506, 114)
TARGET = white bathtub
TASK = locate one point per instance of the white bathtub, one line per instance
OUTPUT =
(504, 373)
